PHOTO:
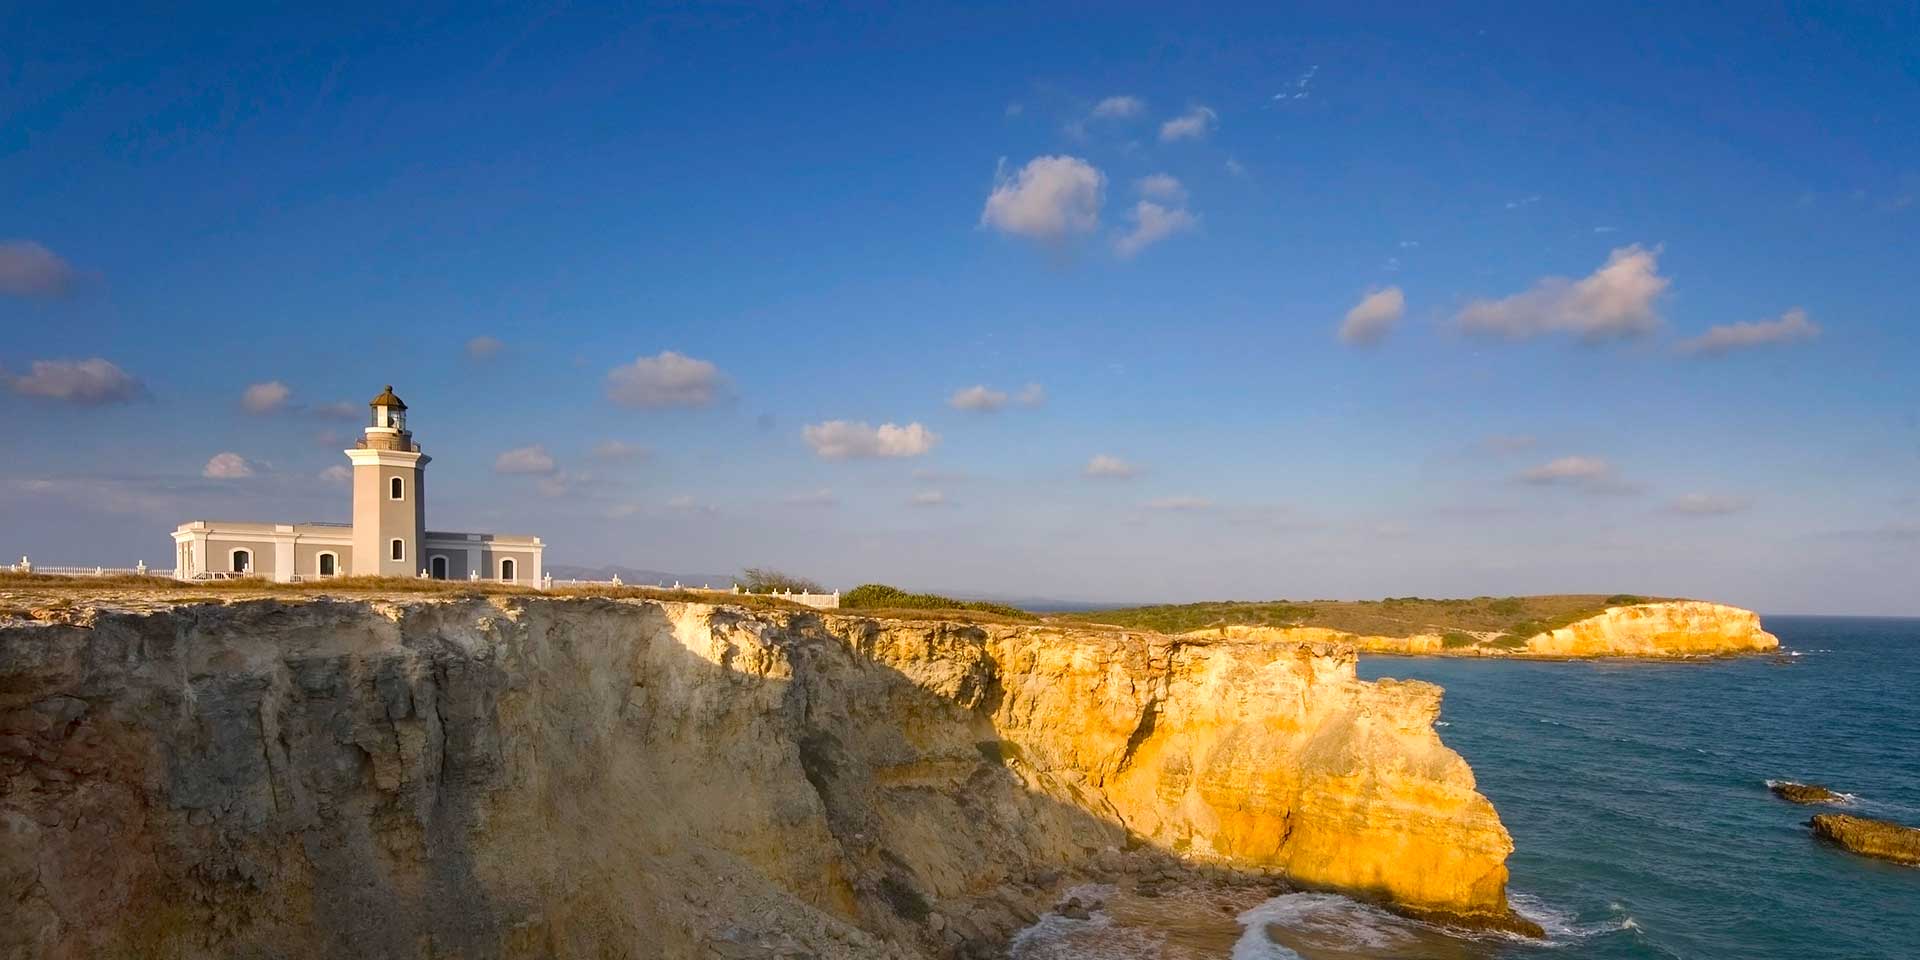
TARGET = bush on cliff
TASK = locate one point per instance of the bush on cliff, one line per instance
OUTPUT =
(879, 596)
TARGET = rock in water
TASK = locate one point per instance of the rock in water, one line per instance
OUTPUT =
(1804, 792)
(1870, 838)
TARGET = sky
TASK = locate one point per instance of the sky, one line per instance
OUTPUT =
(1092, 302)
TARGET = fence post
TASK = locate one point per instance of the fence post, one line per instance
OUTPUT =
(26, 566)
(546, 582)
(140, 569)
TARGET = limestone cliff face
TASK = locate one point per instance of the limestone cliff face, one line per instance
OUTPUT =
(1675, 628)
(536, 777)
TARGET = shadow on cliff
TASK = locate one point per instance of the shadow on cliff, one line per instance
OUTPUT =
(523, 778)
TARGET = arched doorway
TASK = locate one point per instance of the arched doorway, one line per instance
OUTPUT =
(439, 568)
(506, 570)
(242, 561)
(329, 565)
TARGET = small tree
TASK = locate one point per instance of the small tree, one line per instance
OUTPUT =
(764, 580)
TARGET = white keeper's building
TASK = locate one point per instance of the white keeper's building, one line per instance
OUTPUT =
(388, 536)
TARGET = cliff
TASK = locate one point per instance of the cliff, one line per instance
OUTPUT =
(1668, 628)
(530, 777)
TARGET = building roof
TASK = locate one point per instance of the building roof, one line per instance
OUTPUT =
(387, 399)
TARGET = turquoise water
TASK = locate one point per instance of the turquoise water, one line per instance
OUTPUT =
(1636, 796)
(1636, 792)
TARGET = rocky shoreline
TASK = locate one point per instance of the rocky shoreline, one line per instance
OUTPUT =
(524, 776)
(1664, 630)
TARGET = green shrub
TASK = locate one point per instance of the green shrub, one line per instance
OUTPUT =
(1507, 605)
(879, 596)
(1625, 600)
(1454, 640)
(1510, 641)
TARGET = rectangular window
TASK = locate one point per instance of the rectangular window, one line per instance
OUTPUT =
(399, 550)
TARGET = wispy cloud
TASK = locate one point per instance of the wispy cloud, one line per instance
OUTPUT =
(929, 498)
(822, 497)
(264, 398)
(1197, 122)
(227, 466)
(484, 348)
(1161, 186)
(1614, 302)
(1119, 108)
(525, 460)
(1179, 504)
(93, 382)
(1302, 88)
(668, 379)
(28, 269)
(850, 440)
(1728, 337)
(1051, 199)
(978, 398)
(618, 451)
(337, 475)
(1152, 223)
(1373, 318)
(1707, 504)
(1526, 201)
(1106, 467)
(1586, 474)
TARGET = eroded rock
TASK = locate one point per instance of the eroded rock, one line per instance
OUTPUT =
(1869, 838)
(1807, 793)
(530, 777)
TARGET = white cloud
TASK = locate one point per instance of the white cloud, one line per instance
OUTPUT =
(1193, 124)
(978, 398)
(929, 498)
(822, 497)
(1051, 199)
(667, 380)
(1106, 467)
(687, 504)
(227, 466)
(484, 347)
(1031, 395)
(87, 382)
(533, 459)
(846, 440)
(339, 474)
(1236, 168)
(1707, 504)
(28, 269)
(1614, 302)
(268, 397)
(1526, 201)
(1569, 470)
(1792, 325)
(1373, 317)
(1119, 107)
(1161, 186)
(1151, 224)
(1182, 503)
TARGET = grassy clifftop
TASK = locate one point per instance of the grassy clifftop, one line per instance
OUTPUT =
(1392, 617)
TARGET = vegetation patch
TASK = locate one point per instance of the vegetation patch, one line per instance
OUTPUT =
(1392, 617)
(879, 596)
(1454, 640)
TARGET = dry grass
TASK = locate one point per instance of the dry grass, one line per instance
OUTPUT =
(1393, 617)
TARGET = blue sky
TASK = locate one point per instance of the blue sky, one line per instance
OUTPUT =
(1349, 302)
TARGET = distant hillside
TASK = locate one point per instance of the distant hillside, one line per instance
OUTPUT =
(1392, 617)
(638, 576)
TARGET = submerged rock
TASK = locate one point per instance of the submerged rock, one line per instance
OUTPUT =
(1869, 838)
(1804, 792)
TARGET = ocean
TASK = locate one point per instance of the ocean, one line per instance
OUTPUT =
(1636, 793)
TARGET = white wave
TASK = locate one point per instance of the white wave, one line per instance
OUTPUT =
(1562, 926)
(1320, 918)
